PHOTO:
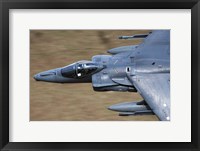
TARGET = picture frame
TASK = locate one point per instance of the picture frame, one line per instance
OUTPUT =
(5, 5)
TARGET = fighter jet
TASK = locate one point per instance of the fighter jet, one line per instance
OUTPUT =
(143, 68)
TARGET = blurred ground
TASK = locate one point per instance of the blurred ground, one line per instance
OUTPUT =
(74, 102)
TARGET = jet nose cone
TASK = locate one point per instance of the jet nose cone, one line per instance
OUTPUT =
(36, 77)
(47, 76)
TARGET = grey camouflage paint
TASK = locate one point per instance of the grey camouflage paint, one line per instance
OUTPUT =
(143, 68)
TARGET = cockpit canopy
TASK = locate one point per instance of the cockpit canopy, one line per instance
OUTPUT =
(79, 69)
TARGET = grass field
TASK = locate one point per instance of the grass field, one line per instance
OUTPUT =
(75, 102)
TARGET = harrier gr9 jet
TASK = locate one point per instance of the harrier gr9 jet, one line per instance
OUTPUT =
(143, 68)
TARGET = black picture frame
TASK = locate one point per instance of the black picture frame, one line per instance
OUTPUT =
(5, 5)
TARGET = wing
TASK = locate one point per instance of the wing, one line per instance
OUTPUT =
(158, 37)
(156, 45)
(155, 89)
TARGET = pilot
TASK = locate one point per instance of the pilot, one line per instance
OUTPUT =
(79, 70)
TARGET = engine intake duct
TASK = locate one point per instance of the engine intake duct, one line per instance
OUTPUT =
(132, 108)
